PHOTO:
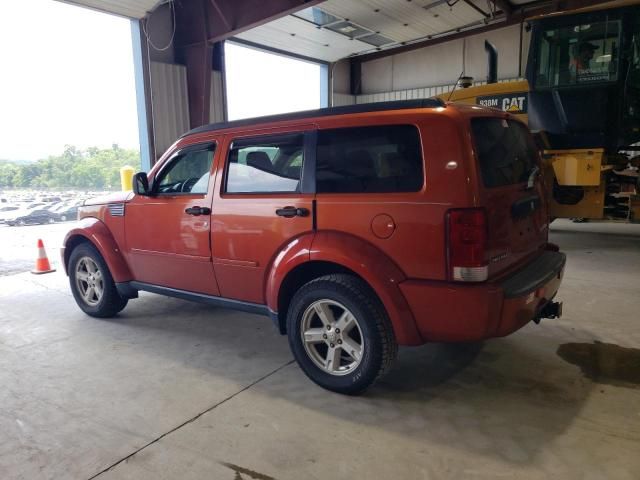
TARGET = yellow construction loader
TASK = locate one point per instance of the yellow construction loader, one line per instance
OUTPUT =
(581, 98)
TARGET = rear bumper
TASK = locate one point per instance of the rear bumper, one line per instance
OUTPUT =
(470, 312)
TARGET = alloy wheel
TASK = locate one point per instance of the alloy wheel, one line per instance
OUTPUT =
(332, 337)
(89, 281)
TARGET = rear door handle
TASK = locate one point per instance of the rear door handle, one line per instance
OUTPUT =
(290, 212)
(196, 211)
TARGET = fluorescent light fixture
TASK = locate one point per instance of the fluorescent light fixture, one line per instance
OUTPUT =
(316, 16)
(349, 29)
(376, 40)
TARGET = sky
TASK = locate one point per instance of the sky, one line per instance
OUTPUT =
(67, 79)
(260, 83)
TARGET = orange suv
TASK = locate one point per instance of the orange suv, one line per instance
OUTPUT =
(356, 229)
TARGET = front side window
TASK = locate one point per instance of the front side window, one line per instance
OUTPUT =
(266, 164)
(188, 172)
(505, 150)
(373, 159)
(578, 54)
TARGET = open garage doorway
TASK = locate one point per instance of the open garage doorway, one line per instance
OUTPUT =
(263, 83)
(68, 123)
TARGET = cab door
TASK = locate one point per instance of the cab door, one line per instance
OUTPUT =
(262, 203)
(168, 232)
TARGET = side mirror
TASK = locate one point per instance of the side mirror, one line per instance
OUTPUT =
(141, 184)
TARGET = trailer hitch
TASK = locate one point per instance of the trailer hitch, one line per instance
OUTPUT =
(550, 310)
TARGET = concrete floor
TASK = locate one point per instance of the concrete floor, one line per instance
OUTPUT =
(171, 389)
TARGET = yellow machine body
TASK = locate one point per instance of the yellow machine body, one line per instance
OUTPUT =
(578, 168)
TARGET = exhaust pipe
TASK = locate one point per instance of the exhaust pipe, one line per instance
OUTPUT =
(492, 62)
(550, 310)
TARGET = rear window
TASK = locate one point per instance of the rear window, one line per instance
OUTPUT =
(505, 151)
(369, 160)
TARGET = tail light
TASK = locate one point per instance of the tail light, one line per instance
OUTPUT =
(467, 244)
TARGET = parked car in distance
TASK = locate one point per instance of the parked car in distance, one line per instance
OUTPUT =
(58, 206)
(355, 229)
(7, 211)
(36, 204)
(66, 213)
(50, 199)
(31, 217)
(12, 215)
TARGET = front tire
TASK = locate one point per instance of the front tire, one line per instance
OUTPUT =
(92, 284)
(340, 334)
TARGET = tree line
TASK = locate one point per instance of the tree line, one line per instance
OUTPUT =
(93, 168)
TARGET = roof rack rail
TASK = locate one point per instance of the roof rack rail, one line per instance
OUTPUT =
(323, 112)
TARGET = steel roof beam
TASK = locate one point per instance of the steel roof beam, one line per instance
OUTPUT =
(505, 6)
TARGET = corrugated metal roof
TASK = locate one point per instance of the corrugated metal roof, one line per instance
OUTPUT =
(298, 36)
(125, 8)
(401, 21)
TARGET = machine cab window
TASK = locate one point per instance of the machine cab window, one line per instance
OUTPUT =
(578, 54)
(634, 57)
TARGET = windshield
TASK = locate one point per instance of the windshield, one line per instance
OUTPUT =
(578, 54)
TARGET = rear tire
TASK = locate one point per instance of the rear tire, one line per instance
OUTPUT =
(92, 284)
(345, 360)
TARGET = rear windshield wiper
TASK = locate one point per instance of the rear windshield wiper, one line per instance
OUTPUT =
(531, 181)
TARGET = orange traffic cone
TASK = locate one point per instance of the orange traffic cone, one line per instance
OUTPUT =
(42, 262)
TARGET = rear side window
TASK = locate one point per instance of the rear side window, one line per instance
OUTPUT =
(266, 165)
(369, 160)
(505, 151)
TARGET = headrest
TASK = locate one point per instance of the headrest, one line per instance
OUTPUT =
(259, 160)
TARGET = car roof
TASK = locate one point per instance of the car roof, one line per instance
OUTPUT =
(321, 112)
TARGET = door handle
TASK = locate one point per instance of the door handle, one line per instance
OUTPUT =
(290, 212)
(196, 211)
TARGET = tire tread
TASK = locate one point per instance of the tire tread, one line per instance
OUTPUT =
(363, 295)
(113, 302)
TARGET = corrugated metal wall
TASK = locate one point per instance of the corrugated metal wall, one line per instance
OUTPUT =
(414, 93)
(170, 104)
(438, 65)
(216, 101)
(340, 99)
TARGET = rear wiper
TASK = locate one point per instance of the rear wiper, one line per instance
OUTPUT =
(531, 181)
